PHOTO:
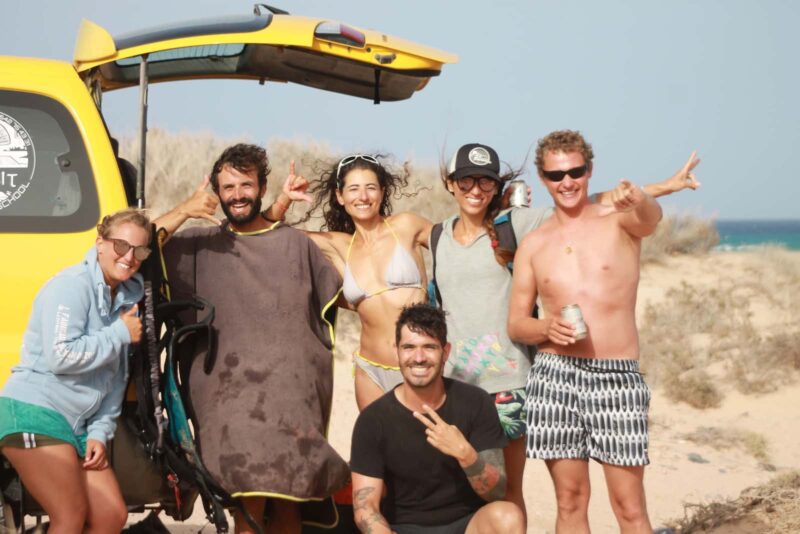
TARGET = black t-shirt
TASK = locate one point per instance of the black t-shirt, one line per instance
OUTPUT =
(424, 486)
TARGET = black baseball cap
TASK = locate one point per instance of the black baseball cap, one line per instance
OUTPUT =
(474, 159)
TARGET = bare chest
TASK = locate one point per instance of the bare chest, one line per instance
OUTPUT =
(574, 265)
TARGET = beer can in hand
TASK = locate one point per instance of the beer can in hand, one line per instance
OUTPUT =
(573, 314)
(519, 194)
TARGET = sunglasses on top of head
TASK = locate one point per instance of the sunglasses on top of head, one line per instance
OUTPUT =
(121, 247)
(347, 160)
(485, 184)
(574, 173)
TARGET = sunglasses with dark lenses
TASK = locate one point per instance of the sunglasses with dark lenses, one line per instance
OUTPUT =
(122, 247)
(347, 160)
(486, 184)
(575, 173)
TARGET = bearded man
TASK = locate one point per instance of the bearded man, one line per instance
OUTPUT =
(264, 407)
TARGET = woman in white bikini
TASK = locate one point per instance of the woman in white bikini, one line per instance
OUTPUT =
(379, 257)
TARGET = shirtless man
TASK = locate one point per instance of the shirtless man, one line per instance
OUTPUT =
(586, 397)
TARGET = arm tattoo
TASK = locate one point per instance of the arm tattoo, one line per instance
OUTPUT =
(368, 519)
(487, 475)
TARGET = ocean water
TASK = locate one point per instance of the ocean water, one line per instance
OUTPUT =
(742, 235)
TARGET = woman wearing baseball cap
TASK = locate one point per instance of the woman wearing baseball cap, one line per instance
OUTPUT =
(469, 254)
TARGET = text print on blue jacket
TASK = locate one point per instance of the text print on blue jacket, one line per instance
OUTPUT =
(75, 349)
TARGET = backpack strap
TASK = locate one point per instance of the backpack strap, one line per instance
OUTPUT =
(505, 235)
(508, 240)
(434, 297)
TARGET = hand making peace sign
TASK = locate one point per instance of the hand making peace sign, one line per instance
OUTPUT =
(445, 437)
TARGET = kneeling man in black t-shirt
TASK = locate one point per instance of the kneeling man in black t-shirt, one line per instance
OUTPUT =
(435, 444)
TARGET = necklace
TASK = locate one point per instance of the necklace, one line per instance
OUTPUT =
(568, 242)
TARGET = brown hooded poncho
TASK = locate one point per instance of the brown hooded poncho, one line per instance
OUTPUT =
(263, 410)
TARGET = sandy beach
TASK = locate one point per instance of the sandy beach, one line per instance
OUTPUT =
(682, 471)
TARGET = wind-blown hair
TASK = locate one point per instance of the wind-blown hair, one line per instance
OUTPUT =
(502, 255)
(422, 318)
(333, 179)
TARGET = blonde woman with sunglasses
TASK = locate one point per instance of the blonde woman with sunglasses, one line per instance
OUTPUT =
(58, 409)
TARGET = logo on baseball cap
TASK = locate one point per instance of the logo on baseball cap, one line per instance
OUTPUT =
(474, 159)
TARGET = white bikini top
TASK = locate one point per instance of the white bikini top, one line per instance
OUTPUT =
(401, 272)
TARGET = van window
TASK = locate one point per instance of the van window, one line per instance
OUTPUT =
(46, 182)
(219, 59)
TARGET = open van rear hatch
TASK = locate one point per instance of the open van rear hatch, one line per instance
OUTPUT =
(268, 46)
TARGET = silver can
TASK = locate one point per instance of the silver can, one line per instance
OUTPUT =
(573, 314)
(519, 194)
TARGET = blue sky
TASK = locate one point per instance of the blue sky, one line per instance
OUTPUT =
(645, 81)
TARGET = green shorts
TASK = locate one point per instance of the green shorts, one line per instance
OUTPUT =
(25, 425)
(511, 409)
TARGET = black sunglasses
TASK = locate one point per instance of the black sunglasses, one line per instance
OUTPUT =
(486, 184)
(575, 173)
(121, 247)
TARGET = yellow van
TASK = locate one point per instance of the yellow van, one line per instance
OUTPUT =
(59, 174)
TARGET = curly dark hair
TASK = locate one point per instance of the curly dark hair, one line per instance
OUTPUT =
(332, 180)
(563, 141)
(502, 255)
(244, 158)
(422, 318)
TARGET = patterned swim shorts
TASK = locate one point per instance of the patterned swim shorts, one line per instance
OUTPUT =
(587, 408)
(511, 409)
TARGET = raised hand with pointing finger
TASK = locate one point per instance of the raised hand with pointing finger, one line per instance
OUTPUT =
(626, 196)
(622, 199)
(293, 190)
(683, 179)
(295, 186)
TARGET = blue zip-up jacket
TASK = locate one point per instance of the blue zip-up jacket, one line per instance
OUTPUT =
(75, 349)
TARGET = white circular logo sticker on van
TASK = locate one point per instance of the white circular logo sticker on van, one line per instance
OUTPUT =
(17, 160)
(479, 156)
